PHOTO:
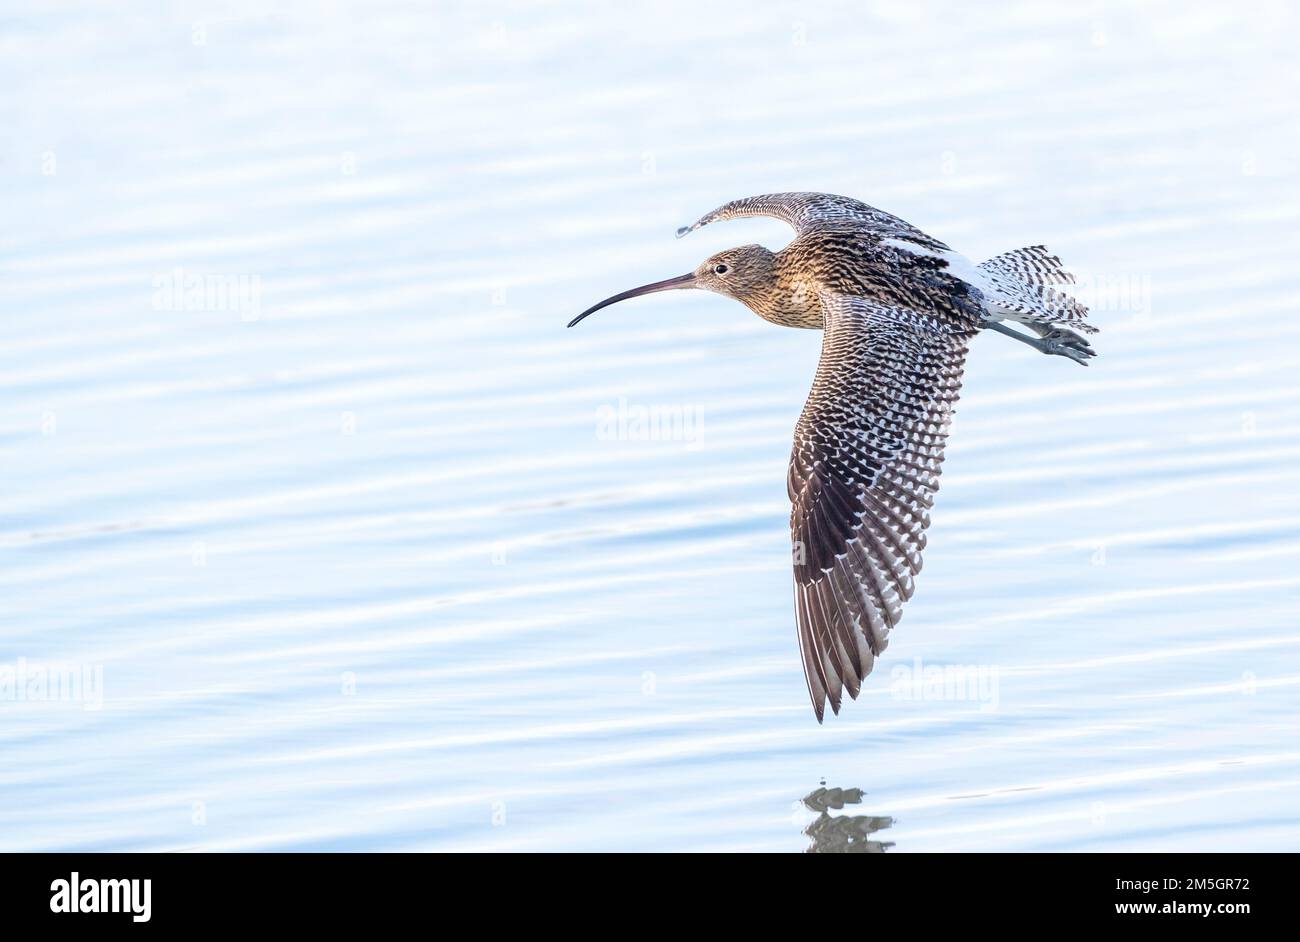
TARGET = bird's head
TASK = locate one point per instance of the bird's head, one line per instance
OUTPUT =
(746, 273)
(741, 273)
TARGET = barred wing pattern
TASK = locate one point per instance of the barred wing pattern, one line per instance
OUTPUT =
(863, 474)
(805, 212)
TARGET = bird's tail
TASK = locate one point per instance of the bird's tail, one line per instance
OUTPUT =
(1020, 288)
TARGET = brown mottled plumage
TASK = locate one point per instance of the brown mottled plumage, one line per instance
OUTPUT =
(898, 310)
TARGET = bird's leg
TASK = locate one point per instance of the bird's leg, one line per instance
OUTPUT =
(1054, 341)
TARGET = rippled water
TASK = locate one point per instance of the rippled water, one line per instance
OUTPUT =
(350, 550)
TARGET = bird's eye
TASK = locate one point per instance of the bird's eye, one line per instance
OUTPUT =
(720, 269)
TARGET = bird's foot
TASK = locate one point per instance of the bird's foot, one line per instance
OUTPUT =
(1052, 340)
(1058, 341)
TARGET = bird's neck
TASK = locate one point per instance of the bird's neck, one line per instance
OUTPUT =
(788, 298)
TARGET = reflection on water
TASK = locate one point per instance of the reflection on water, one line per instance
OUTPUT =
(843, 833)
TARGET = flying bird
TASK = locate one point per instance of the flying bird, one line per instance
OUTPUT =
(897, 309)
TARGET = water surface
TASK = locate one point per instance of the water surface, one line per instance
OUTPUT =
(301, 462)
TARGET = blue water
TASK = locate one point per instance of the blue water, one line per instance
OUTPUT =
(335, 516)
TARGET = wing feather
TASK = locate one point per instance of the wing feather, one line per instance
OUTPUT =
(863, 473)
(807, 211)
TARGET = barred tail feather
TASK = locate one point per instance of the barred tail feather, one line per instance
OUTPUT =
(1032, 265)
(1019, 284)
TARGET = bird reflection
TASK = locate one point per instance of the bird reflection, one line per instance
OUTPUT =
(843, 833)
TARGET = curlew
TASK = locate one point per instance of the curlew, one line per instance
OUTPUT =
(897, 309)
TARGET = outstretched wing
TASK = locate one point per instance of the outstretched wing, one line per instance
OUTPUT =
(863, 474)
(809, 211)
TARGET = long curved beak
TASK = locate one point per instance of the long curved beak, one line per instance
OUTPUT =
(681, 281)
